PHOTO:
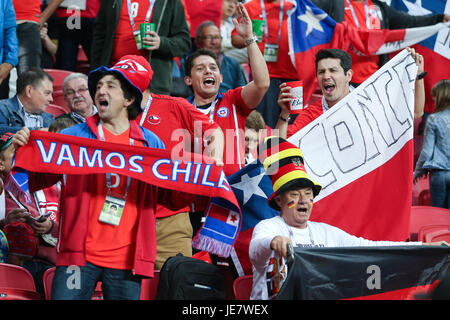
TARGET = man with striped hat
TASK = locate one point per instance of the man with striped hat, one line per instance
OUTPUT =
(293, 196)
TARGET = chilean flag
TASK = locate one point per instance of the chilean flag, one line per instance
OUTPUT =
(435, 49)
(252, 188)
(311, 29)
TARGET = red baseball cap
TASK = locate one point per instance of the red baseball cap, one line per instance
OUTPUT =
(135, 70)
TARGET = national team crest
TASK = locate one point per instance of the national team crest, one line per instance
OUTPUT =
(154, 119)
(223, 112)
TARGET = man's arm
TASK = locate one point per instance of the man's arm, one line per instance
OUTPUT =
(47, 13)
(174, 42)
(254, 91)
(419, 90)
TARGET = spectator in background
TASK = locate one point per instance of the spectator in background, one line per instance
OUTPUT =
(27, 108)
(373, 14)
(435, 156)
(8, 45)
(208, 37)
(334, 73)
(27, 225)
(226, 28)
(75, 28)
(29, 21)
(254, 126)
(230, 109)
(77, 98)
(113, 36)
(275, 36)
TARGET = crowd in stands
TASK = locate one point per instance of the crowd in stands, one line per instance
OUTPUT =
(199, 75)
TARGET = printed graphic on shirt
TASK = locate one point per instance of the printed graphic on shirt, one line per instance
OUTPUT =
(153, 119)
(223, 112)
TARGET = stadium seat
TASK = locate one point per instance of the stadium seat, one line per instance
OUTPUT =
(242, 287)
(48, 280)
(82, 61)
(149, 287)
(16, 283)
(421, 192)
(58, 77)
(55, 110)
(58, 99)
(425, 216)
(427, 232)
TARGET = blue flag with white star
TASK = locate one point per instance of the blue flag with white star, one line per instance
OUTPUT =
(252, 187)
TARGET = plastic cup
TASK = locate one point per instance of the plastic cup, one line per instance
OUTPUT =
(144, 28)
(258, 28)
(296, 104)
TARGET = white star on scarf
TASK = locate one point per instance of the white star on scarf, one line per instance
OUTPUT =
(312, 20)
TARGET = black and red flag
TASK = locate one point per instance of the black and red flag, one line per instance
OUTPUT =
(375, 273)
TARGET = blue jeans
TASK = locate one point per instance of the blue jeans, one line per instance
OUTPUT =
(78, 283)
(440, 188)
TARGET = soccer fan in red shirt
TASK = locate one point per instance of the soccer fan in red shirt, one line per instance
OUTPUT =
(230, 109)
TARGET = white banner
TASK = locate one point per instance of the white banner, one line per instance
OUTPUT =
(364, 130)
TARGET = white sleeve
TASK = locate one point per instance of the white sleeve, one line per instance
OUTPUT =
(260, 251)
(345, 239)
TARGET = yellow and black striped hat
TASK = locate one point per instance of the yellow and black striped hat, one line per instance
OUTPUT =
(283, 162)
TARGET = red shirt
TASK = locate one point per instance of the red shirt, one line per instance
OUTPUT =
(178, 124)
(230, 113)
(283, 68)
(27, 9)
(91, 10)
(363, 67)
(306, 116)
(107, 245)
(201, 10)
(124, 42)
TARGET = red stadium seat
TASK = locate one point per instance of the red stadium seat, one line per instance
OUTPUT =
(16, 283)
(425, 216)
(48, 280)
(55, 110)
(58, 99)
(427, 232)
(149, 287)
(58, 77)
(421, 192)
(242, 287)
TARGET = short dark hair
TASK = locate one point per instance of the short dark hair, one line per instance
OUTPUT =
(129, 93)
(344, 57)
(33, 77)
(200, 52)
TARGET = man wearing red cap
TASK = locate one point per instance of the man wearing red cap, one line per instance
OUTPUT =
(182, 128)
(293, 196)
(94, 246)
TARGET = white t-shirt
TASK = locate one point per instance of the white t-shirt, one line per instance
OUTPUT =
(316, 234)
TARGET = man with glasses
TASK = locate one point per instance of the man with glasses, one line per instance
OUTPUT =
(77, 97)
